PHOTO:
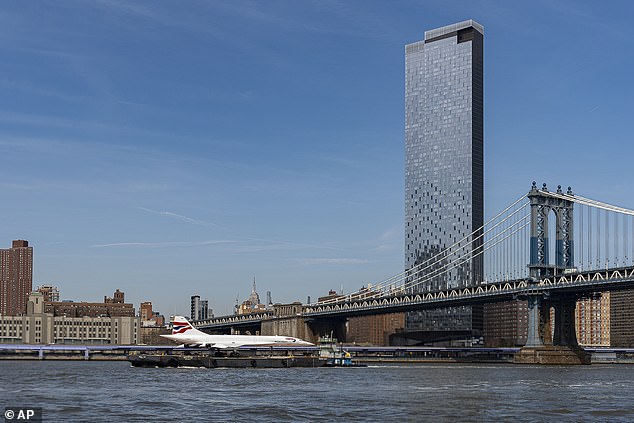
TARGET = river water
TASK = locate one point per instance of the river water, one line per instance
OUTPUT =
(114, 391)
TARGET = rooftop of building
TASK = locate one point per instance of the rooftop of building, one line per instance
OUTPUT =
(86, 303)
(439, 32)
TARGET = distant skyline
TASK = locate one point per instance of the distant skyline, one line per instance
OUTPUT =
(171, 149)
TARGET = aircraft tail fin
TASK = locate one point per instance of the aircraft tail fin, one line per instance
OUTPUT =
(181, 325)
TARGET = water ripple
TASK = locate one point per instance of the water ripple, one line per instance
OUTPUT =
(114, 391)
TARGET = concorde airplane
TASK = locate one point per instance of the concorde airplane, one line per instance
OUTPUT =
(183, 332)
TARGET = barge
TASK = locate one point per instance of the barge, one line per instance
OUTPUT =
(211, 362)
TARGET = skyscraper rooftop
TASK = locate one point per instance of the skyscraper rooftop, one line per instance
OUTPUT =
(450, 29)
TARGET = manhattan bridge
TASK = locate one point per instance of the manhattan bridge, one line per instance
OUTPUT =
(549, 248)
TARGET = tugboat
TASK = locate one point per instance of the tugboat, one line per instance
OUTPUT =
(334, 355)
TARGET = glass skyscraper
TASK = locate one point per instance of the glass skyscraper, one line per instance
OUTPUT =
(444, 189)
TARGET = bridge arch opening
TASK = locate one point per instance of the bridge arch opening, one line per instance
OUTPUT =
(551, 236)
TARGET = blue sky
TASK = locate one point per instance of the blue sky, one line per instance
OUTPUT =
(178, 148)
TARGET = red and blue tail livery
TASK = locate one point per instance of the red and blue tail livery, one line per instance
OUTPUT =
(181, 327)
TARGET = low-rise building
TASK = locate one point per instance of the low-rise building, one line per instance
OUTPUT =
(149, 317)
(50, 292)
(151, 335)
(111, 307)
(40, 327)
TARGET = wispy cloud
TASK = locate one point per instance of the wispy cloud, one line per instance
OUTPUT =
(255, 245)
(146, 187)
(342, 161)
(131, 8)
(339, 18)
(165, 244)
(71, 123)
(179, 217)
(583, 14)
(186, 20)
(386, 240)
(247, 94)
(30, 88)
(385, 247)
(341, 261)
(390, 233)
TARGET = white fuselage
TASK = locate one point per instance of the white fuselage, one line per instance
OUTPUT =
(234, 341)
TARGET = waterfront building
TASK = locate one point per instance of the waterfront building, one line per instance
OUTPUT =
(151, 335)
(374, 330)
(16, 277)
(149, 317)
(605, 320)
(145, 310)
(506, 324)
(621, 318)
(37, 326)
(444, 191)
(86, 309)
(111, 307)
(592, 321)
(50, 292)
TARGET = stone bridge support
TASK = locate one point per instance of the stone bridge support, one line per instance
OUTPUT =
(534, 338)
(294, 326)
(565, 334)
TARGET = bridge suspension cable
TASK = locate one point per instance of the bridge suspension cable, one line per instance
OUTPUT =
(467, 251)
(434, 259)
(468, 256)
(451, 257)
(603, 232)
(502, 248)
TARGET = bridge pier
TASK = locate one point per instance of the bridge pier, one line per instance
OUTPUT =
(564, 348)
(565, 333)
(294, 326)
(534, 339)
(544, 323)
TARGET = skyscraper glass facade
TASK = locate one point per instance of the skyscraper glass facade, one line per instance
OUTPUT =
(444, 189)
